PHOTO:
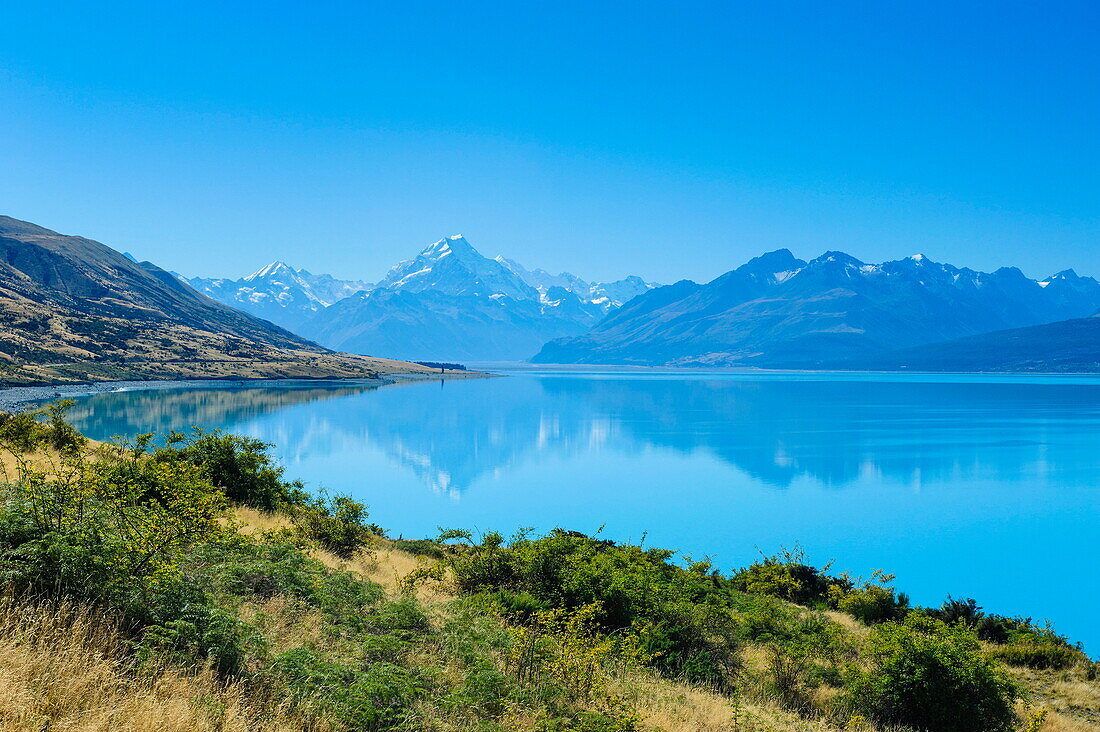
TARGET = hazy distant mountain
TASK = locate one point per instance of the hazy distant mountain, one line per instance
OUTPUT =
(608, 295)
(432, 325)
(74, 309)
(1067, 346)
(280, 293)
(780, 311)
(451, 302)
(615, 294)
(448, 302)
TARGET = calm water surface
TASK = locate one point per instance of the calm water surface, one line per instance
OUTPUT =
(976, 486)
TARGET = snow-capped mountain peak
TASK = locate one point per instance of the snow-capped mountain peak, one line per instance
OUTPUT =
(452, 266)
(836, 257)
(280, 293)
(454, 244)
(463, 303)
(275, 269)
(832, 308)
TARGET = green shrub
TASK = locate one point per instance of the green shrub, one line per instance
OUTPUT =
(930, 676)
(43, 427)
(240, 466)
(875, 601)
(374, 696)
(787, 576)
(682, 617)
(1026, 644)
(1037, 655)
(418, 547)
(200, 631)
(110, 530)
(803, 648)
(338, 524)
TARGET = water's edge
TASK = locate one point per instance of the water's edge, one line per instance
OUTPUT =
(17, 398)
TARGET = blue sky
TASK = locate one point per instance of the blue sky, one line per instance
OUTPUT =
(666, 139)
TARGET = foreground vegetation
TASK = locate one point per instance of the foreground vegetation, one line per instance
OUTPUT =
(186, 584)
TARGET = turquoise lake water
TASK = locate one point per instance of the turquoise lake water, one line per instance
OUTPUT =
(984, 487)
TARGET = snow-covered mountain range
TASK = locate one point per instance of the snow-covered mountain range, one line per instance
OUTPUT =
(452, 303)
(780, 311)
(607, 295)
(279, 293)
(448, 302)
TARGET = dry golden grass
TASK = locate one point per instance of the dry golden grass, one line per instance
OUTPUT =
(66, 669)
(1056, 722)
(663, 704)
(380, 563)
(286, 623)
(1075, 693)
(666, 705)
(253, 521)
(1071, 699)
(9, 464)
(846, 621)
(63, 669)
(49, 463)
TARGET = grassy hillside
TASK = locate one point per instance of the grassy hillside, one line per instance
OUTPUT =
(74, 310)
(191, 586)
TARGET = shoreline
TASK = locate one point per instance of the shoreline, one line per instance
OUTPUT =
(18, 398)
(749, 370)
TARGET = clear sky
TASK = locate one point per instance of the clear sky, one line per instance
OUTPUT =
(672, 139)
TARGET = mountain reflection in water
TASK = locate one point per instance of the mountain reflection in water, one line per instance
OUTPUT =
(774, 429)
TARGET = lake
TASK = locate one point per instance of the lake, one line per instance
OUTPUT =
(984, 487)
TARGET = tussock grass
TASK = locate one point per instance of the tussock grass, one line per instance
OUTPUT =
(66, 668)
(380, 562)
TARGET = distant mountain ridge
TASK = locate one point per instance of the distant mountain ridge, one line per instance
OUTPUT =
(1065, 346)
(452, 302)
(447, 302)
(778, 311)
(279, 293)
(72, 309)
(608, 295)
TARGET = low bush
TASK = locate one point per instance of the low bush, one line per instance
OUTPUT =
(45, 427)
(241, 466)
(803, 649)
(1037, 655)
(681, 617)
(786, 575)
(874, 601)
(339, 524)
(930, 676)
(418, 547)
(1020, 641)
(370, 696)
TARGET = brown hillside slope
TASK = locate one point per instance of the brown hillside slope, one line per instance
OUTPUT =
(72, 309)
